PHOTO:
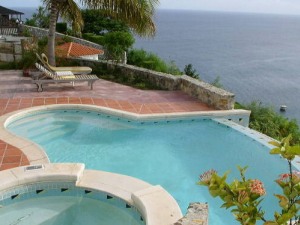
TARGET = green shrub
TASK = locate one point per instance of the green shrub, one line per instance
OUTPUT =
(96, 22)
(94, 38)
(61, 27)
(217, 82)
(116, 43)
(26, 32)
(28, 59)
(66, 39)
(265, 120)
(190, 71)
(9, 66)
(148, 60)
(41, 18)
(42, 43)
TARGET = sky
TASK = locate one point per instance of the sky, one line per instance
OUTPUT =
(258, 6)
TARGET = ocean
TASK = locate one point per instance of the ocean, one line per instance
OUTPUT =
(256, 56)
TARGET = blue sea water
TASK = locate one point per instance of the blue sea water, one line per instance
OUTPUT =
(256, 56)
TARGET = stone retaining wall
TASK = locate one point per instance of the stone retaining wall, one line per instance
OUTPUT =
(10, 51)
(213, 96)
(40, 33)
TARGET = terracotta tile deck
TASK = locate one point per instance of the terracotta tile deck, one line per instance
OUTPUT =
(17, 92)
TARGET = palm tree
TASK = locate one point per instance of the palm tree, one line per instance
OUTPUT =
(136, 13)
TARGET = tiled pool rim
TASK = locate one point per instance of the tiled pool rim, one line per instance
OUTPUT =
(155, 204)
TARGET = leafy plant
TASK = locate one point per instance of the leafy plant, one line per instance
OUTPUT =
(244, 196)
(190, 71)
(9, 65)
(172, 68)
(28, 59)
(42, 43)
(148, 60)
(265, 120)
(41, 18)
(94, 38)
(61, 27)
(99, 24)
(26, 32)
(117, 43)
(217, 82)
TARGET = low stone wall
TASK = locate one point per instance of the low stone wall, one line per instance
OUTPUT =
(10, 51)
(213, 96)
(161, 80)
(40, 33)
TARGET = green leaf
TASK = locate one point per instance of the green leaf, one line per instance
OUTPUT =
(275, 143)
(227, 205)
(283, 201)
(214, 193)
(270, 223)
(275, 151)
(295, 150)
(284, 218)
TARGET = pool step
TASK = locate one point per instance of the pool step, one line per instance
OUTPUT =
(44, 213)
(29, 120)
(46, 136)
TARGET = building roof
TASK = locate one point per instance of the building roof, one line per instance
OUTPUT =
(72, 49)
(6, 11)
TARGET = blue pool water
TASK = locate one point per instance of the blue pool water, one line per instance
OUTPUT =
(171, 153)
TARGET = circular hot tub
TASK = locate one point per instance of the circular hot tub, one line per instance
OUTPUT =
(63, 203)
(66, 193)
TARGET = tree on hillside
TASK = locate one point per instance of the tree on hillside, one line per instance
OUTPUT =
(39, 18)
(136, 13)
(190, 71)
(97, 23)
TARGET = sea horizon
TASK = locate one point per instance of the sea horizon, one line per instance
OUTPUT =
(256, 56)
(193, 10)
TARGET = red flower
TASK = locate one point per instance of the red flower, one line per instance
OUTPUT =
(206, 176)
(257, 187)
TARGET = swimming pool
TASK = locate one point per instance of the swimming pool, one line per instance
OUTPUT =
(170, 152)
(63, 203)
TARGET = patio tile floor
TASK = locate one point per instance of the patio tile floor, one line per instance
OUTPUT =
(17, 92)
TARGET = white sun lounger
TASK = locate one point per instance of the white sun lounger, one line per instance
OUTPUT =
(74, 69)
(47, 77)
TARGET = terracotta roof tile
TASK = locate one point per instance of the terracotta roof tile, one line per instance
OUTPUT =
(72, 49)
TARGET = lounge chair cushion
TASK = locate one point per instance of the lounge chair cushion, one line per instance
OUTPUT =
(65, 74)
(73, 69)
